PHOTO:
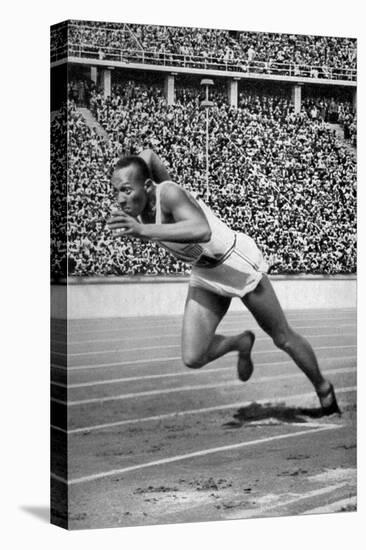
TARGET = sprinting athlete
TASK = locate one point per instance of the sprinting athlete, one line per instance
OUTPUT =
(225, 264)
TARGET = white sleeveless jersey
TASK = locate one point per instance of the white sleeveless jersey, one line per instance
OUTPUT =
(208, 254)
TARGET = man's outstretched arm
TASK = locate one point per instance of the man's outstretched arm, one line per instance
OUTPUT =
(157, 169)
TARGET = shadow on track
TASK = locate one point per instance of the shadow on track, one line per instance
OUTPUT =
(255, 412)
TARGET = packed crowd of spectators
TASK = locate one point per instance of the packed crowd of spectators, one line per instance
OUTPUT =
(348, 119)
(297, 55)
(324, 53)
(100, 38)
(282, 178)
(59, 39)
(79, 90)
(58, 227)
(92, 250)
(335, 111)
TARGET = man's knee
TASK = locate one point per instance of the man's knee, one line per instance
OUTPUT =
(193, 361)
(282, 338)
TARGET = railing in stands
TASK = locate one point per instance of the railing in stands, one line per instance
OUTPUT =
(167, 59)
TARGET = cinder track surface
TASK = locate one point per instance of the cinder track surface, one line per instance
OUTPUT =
(152, 442)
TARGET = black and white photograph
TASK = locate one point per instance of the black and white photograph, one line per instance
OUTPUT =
(203, 274)
(182, 248)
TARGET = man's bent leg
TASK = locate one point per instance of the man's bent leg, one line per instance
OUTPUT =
(262, 302)
(203, 312)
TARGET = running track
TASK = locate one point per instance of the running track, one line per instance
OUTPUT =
(151, 442)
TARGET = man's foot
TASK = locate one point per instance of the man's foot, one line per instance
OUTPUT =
(328, 401)
(245, 365)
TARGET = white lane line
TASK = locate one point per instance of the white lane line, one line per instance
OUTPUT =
(187, 372)
(196, 387)
(227, 324)
(140, 348)
(231, 315)
(119, 363)
(126, 325)
(257, 512)
(177, 414)
(195, 454)
(58, 478)
(224, 328)
(176, 358)
(333, 506)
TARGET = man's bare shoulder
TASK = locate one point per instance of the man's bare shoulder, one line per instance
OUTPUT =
(171, 192)
(174, 198)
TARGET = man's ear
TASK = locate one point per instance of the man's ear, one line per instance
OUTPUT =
(148, 184)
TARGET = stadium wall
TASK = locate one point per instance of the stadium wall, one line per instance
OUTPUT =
(144, 296)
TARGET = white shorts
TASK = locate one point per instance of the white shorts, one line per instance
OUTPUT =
(237, 275)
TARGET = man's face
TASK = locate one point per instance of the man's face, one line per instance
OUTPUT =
(130, 190)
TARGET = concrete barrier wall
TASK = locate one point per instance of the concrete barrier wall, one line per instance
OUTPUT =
(127, 297)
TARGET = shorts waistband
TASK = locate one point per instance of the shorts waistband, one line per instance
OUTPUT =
(208, 262)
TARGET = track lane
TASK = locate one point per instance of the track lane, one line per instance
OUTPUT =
(214, 486)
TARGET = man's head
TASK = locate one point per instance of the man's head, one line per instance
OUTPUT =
(131, 181)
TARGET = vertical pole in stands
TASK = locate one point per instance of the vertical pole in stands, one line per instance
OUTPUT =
(296, 97)
(207, 104)
(207, 170)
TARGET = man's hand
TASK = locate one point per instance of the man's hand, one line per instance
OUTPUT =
(122, 223)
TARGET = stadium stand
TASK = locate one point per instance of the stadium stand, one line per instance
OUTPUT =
(283, 178)
(266, 53)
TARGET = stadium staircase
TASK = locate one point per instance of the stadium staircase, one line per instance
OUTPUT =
(338, 129)
(92, 122)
